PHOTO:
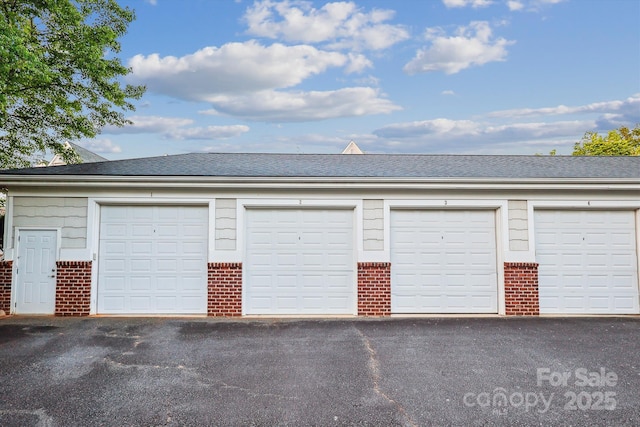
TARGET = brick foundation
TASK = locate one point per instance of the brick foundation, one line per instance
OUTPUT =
(374, 288)
(73, 288)
(521, 289)
(6, 272)
(224, 289)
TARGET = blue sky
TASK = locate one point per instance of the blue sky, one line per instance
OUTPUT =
(404, 76)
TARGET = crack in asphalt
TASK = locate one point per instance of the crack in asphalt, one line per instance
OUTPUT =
(374, 369)
(44, 420)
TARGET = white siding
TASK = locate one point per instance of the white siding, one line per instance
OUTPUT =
(67, 213)
(373, 225)
(225, 224)
(518, 225)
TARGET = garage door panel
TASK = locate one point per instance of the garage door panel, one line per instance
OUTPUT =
(169, 231)
(597, 261)
(588, 262)
(166, 303)
(310, 262)
(151, 262)
(114, 265)
(115, 230)
(140, 283)
(135, 248)
(168, 283)
(140, 303)
(138, 230)
(625, 303)
(115, 304)
(191, 248)
(443, 261)
(114, 283)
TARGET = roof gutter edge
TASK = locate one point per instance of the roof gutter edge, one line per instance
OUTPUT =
(316, 182)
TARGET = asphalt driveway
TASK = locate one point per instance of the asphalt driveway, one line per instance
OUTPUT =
(151, 371)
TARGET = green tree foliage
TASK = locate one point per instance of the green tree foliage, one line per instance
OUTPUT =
(618, 142)
(59, 75)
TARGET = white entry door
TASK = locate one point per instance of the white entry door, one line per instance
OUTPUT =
(36, 272)
(300, 262)
(443, 261)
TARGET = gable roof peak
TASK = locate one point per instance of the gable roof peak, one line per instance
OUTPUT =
(352, 148)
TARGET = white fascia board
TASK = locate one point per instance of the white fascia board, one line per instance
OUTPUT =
(320, 182)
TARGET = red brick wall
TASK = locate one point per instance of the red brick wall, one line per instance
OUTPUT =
(521, 289)
(224, 289)
(73, 288)
(6, 272)
(374, 288)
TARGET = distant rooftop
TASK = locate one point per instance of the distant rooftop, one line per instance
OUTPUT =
(85, 155)
(337, 165)
(352, 148)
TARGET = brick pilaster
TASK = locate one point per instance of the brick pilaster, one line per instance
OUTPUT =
(73, 288)
(6, 272)
(521, 289)
(374, 288)
(224, 291)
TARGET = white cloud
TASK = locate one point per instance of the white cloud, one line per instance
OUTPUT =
(531, 5)
(101, 145)
(149, 124)
(464, 3)
(448, 92)
(175, 128)
(232, 68)
(152, 2)
(208, 132)
(515, 5)
(343, 24)
(275, 106)
(509, 130)
(472, 45)
(469, 134)
(357, 63)
(629, 107)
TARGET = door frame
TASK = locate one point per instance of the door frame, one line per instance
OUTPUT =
(16, 245)
(94, 220)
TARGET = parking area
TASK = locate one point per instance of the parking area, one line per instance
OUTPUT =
(404, 372)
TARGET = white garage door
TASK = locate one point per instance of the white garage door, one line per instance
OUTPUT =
(443, 261)
(588, 261)
(299, 262)
(153, 260)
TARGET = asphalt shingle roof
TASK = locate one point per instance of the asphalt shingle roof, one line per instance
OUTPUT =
(353, 166)
(86, 155)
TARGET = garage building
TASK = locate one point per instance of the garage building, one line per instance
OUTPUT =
(325, 235)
